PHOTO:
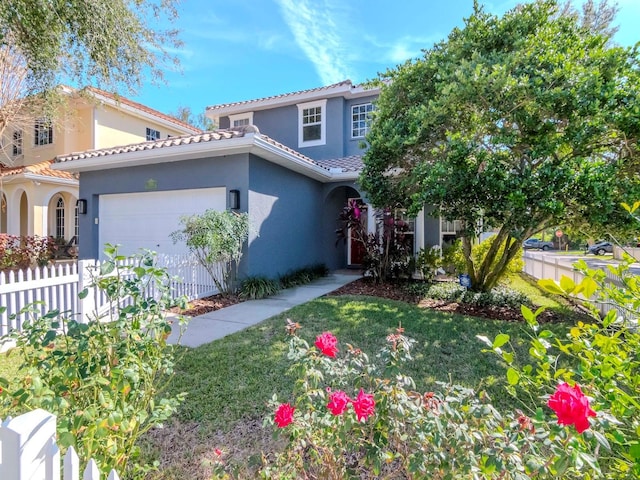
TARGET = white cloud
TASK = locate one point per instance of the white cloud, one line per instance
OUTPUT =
(316, 31)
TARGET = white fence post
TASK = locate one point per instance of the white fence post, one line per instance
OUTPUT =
(86, 305)
(28, 449)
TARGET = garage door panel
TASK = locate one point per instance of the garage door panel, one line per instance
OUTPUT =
(146, 219)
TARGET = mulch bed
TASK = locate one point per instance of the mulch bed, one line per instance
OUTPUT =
(391, 291)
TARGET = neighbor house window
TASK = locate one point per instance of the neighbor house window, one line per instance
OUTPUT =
(43, 133)
(17, 143)
(361, 119)
(312, 123)
(153, 134)
(240, 120)
(60, 218)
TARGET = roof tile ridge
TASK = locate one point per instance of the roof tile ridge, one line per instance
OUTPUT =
(280, 95)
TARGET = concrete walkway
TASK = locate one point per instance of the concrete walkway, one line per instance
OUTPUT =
(214, 325)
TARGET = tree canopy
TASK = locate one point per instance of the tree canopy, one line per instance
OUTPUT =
(112, 44)
(514, 123)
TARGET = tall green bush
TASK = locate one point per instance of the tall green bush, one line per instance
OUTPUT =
(104, 379)
(216, 238)
(453, 256)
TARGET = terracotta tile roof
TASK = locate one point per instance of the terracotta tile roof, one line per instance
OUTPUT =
(144, 108)
(347, 164)
(153, 144)
(281, 96)
(41, 168)
(293, 152)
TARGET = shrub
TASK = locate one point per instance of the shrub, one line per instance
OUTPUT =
(387, 252)
(104, 379)
(500, 296)
(19, 252)
(303, 275)
(454, 262)
(216, 238)
(428, 261)
(258, 287)
(348, 418)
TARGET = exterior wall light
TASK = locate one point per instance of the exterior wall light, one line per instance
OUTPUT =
(81, 205)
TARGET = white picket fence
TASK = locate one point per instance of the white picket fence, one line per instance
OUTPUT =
(56, 288)
(28, 451)
(542, 266)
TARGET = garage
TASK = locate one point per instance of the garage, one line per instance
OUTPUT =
(146, 219)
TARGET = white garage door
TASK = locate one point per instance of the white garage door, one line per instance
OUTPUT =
(145, 220)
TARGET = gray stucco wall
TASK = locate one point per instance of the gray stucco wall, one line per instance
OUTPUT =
(281, 124)
(228, 171)
(285, 210)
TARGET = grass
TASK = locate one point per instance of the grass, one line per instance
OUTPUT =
(230, 381)
(233, 378)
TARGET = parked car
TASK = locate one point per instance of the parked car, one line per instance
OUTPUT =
(536, 243)
(600, 248)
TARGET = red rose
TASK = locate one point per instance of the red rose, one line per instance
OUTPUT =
(364, 405)
(338, 402)
(284, 415)
(571, 406)
(326, 343)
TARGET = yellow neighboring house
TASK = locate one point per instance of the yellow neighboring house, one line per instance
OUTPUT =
(36, 200)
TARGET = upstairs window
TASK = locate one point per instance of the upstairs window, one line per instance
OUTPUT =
(361, 119)
(240, 120)
(43, 133)
(17, 143)
(312, 123)
(152, 134)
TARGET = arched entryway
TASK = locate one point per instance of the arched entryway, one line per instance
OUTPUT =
(25, 217)
(338, 253)
(62, 221)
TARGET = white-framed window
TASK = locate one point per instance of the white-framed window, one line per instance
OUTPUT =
(361, 119)
(60, 218)
(152, 134)
(241, 119)
(17, 143)
(312, 123)
(42, 133)
(405, 230)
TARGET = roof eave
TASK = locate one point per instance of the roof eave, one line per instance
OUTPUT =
(146, 115)
(346, 91)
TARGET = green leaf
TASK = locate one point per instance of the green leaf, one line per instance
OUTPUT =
(66, 439)
(513, 377)
(634, 451)
(83, 294)
(601, 439)
(589, 287)
(500, 340)
(567, 284)
(529, 316)
(551, 286)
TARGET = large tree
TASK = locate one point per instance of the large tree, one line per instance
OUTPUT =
(516, 123)
(113, 44)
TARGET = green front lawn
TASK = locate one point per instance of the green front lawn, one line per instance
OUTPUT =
(233, 378)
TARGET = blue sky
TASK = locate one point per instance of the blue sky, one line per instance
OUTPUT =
(237, 50)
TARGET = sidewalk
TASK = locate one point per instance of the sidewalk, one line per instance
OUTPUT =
(214, 325)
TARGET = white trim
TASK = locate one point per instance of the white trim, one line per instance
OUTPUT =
(419, 231)
(240, 116)
(322, 104)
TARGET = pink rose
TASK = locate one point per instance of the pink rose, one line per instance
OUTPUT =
(284, 415)
(571, 406)
(338, 402)
(364, 405)
(326, 343)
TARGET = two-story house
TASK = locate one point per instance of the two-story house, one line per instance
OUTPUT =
(37, 200)
(290, 161)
